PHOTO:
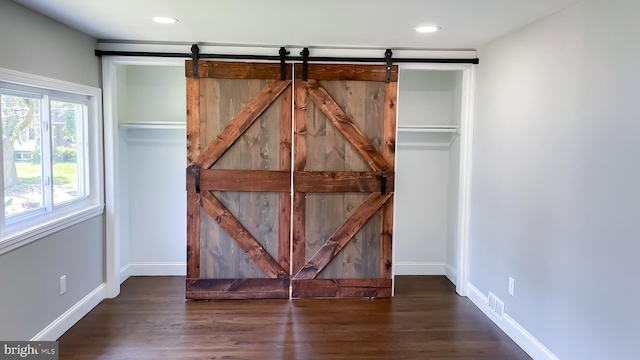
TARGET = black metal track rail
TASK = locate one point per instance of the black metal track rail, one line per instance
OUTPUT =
(381, 59)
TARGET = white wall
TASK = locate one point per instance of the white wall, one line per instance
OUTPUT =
(123, 166)
(125, 213)
(122, 93)
(152, 170)
(425, 182)
(454, 176)
(425, 97)
(421, 212)
(29, 276)
(555, 196)
(157, 199)
(153, 94)
(38, 45)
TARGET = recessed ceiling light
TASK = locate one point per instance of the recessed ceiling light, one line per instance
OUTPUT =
(165, 20)
(427, 29)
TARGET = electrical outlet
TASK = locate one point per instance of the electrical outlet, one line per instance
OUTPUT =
(63, 284)
(512, 287)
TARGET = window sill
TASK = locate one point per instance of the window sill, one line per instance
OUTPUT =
(24, 236)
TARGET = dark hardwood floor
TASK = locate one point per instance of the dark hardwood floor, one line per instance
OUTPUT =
(151, 320)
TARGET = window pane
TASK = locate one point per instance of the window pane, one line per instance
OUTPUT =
(66, 142)
(21, 145)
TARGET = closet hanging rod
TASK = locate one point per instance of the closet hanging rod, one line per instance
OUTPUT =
(288, 58)
(153, 125)
(429, 128)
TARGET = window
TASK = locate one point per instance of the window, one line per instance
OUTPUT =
(49, 168)
(23, 190)
(67, 141)
(48, 137)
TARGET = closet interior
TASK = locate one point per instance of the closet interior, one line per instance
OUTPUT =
(428, 161)
(151, 164)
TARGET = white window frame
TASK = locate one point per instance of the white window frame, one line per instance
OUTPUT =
(29, 227)
(46, 97)
(81, 158)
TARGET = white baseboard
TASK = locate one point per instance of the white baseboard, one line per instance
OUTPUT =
(418, 268)
(125, 272)
(152, 269)
(157, 269)
(515, 331)
(451, 274)
(70, 317)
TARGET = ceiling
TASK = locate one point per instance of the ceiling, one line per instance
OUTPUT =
(466, 24)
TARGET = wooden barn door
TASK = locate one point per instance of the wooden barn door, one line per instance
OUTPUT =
(239, 127)
(344, 146)
(238, 181)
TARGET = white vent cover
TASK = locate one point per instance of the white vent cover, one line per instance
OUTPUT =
(496, 305)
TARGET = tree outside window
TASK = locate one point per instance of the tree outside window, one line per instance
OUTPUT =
(40, 140)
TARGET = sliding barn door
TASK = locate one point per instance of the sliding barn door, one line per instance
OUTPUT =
(238, 181)
(344, 146)
(239, 128)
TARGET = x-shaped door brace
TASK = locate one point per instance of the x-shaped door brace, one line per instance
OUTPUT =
(246, 180)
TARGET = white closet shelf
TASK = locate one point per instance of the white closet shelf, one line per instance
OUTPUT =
(429, 128)
(154, 125)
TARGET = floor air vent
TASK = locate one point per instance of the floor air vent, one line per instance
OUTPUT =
(496, 305)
